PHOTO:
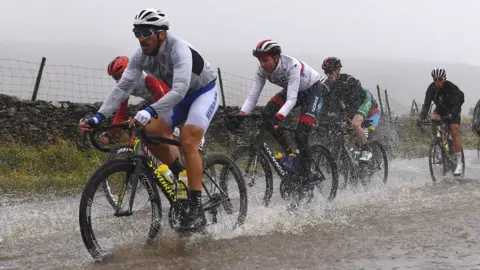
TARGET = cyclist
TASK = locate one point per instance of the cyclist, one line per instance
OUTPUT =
(345, 94)
(192, 100)
(448, 99)
(148, 88)
(301, 88)
(476, 119)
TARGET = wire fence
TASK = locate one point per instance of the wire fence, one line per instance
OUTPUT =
(43, 81)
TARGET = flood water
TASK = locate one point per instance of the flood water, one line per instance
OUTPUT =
(407, 224)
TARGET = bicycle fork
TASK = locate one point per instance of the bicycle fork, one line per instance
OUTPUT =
(126, 210)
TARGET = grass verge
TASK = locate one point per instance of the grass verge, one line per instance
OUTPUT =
(59, 167)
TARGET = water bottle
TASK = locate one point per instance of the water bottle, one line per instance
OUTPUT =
(281, 159)
(182, 185)
(290, 162)
(167, 174)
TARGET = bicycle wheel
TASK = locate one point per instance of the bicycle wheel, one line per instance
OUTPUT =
(436, 160)
(249, 167)
(379, 156)
(112, 154)
(219, 195)
(344, 166)
(87, 220)
(325, 167)
(478, 146)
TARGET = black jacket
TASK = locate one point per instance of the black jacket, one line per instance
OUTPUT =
(449, 98)
(345, 91)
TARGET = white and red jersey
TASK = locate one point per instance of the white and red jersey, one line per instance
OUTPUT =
(290, 74)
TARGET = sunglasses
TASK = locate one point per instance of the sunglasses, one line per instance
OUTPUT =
(117, 76)
(145, 33)
(437, 79)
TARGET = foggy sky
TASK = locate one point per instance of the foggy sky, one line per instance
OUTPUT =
(437, 31)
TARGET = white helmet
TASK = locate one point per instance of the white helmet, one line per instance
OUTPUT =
(439, 73)
(152, 17)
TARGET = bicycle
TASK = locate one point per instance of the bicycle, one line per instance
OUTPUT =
(142, 167)
(341, 137)
(441, 148)
(293, 183)
(117, 151)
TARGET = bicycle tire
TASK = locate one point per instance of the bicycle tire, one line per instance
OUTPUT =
(432, 146)
(230, 166)
(112, 166)
(332, 166)
(379, 145)
(346, 169)
(251, 151)
(478, 146)
(112, 154)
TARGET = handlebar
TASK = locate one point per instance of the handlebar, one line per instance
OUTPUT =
(257, 116)
(104, 128)
(135, 131)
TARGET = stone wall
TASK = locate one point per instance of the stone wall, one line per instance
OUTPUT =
(42, 123)
(39, 123)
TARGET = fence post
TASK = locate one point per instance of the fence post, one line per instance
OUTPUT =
(221, 89)
(412, 112)
(416, 108)
(380, 99)
(388, 106)
(39, 78)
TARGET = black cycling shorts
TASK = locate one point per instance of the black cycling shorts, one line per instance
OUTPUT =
(443, 112)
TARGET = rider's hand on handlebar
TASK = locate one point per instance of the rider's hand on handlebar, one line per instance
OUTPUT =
(277, 119)
(234, 121)
(447, 117)
(104, 137)
(87, 124)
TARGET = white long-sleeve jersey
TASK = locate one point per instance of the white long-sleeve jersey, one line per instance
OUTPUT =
(180, 66)
(290, 74)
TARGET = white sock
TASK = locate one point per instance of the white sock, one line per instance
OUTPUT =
(459, 157)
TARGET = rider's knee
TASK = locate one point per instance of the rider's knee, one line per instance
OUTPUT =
(455, 131)
(190, 138)
(435, 116)
(357, 122)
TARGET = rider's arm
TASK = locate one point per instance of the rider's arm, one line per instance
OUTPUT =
(428, 100)
(357, 93)
(125, 86)
(460, 99)
(292, 90)
(252, 98)
(120, 116)
(157, 87)
(366, 105)
(181, 56)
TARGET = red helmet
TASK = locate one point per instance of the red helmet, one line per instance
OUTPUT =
(268, 47)
(331, 63)
(117, 65)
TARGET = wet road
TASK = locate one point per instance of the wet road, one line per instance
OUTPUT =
(408, 224)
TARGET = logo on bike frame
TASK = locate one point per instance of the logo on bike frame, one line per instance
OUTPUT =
(279, 167)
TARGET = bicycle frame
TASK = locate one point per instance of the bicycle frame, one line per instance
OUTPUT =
(444, 133)
(337, 131)
(146, 163)
(142, 156)
(262, 145)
